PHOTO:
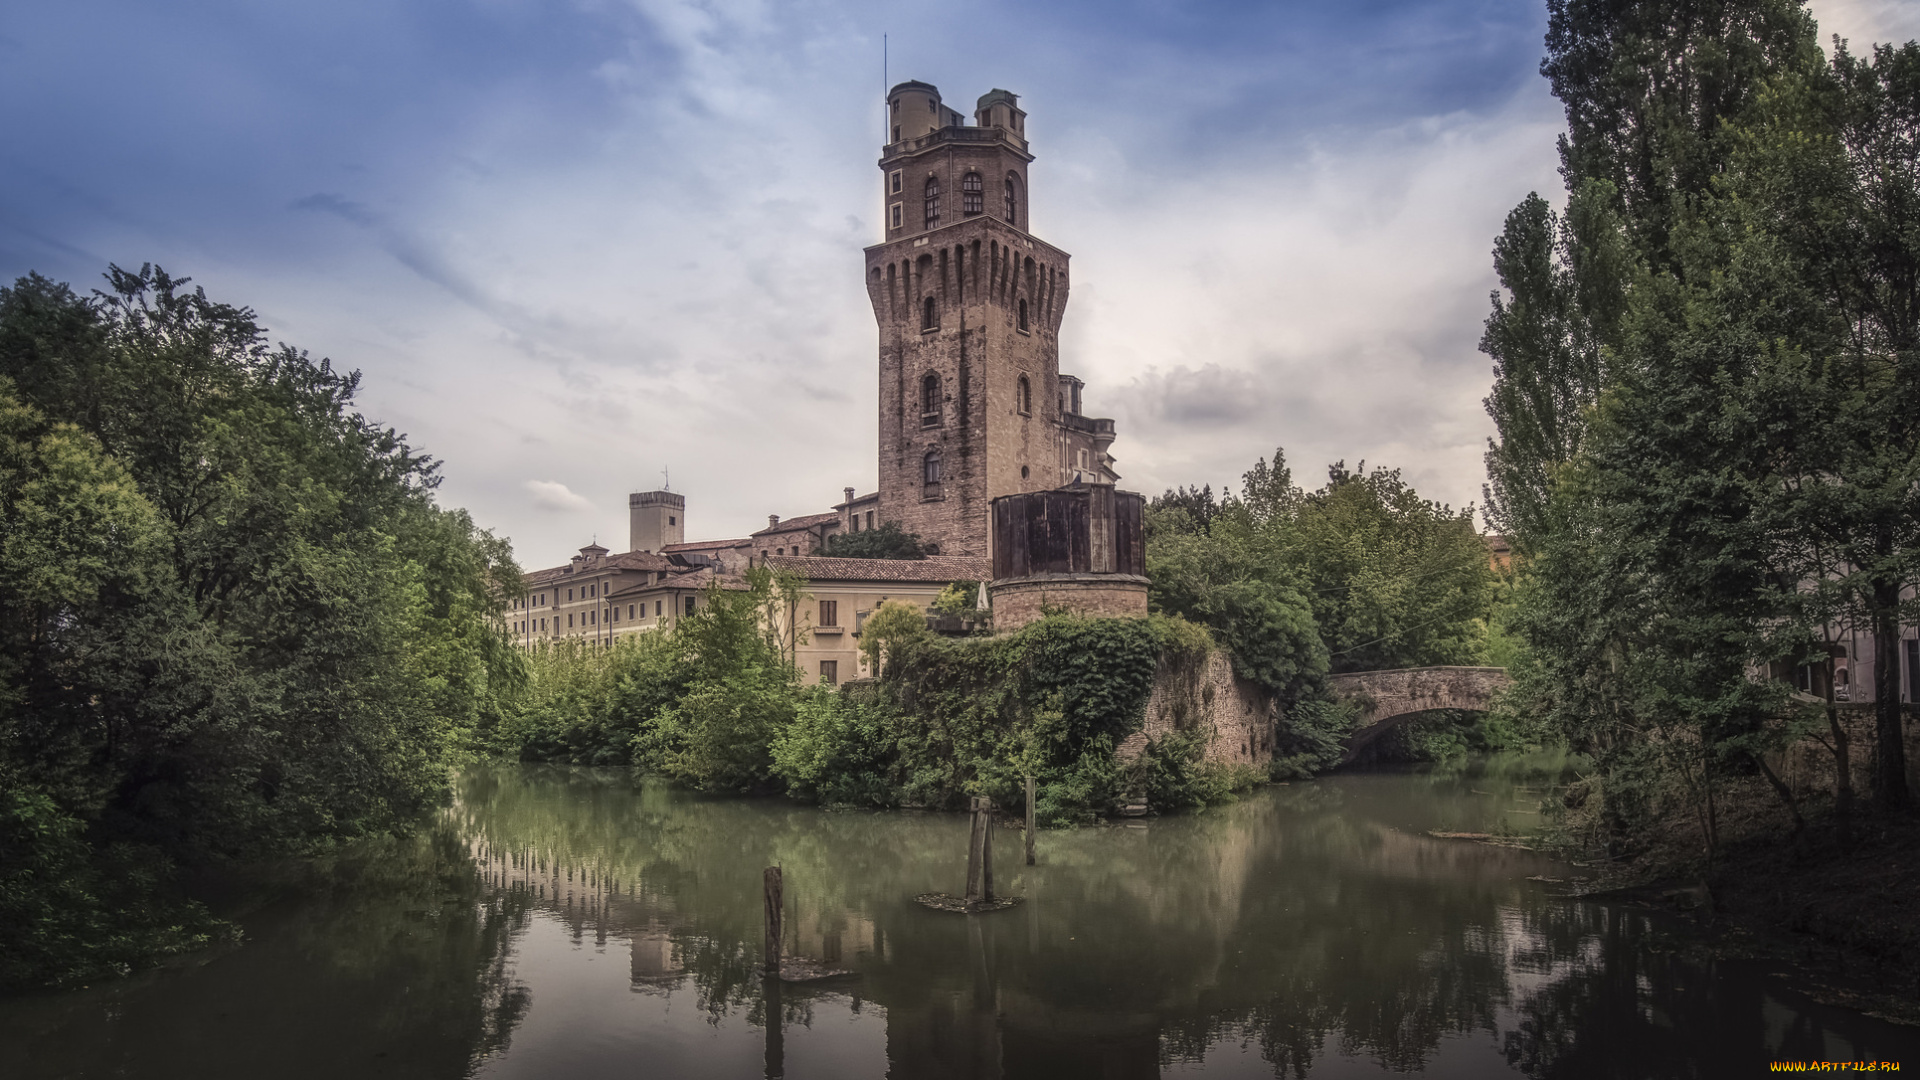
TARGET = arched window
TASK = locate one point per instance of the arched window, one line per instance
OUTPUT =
(973, 197)
(933, 201)
(930, 399)
(1023, 313)
(1013, 199)
(930, 466)
(929, 315)
(1023, 397)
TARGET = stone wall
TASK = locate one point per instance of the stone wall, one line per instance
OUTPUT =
(1019, 601)
(1205, 691)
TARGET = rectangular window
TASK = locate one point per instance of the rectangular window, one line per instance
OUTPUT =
(869, 519)
(1913, 669)
(569, 596)
(656, 609)
(894, 182)
(593, 617)
(897, 215)
(629, 611)
(569, 622)
(829, 613)
(830, 672)
(615, 614)
(689, 605)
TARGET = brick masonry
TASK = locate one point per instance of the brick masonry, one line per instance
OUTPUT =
(1389, 698)
(1207, 692)
(1019, 601)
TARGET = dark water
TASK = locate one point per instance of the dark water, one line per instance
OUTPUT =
(564, 923)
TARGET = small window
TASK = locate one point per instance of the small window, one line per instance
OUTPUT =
(929, 315)
(569, 622)
(1023, 315)
(930, 400)
(830, 672)
(1012, 207)
(1023, 397)
(656, 609)
(614, 616)
(671, 521)
(629, 612)
(1023, 472)
(897, 216)
(931, 469)
(829, 613)
(593, 617)
(690, 605)
(933, 201)
(569, 596)
(869, 519)
(973, 197)
(895, 182)
(896, 133)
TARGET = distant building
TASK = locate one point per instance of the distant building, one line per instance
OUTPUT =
(972, 407)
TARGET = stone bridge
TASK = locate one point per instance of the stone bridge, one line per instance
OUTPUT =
(1390, 698)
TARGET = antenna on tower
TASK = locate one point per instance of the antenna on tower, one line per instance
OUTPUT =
(666, 481)
(883, 64)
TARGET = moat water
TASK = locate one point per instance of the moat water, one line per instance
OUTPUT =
(572, 923)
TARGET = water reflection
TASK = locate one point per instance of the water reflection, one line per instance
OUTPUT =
(561, 920)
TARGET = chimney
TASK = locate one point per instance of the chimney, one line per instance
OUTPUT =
(773, 520)
(849, 492)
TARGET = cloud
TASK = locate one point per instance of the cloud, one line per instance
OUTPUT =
(553, 495)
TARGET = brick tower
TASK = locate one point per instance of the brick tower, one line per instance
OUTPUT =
(972, 404)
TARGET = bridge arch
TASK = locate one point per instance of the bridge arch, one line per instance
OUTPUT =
(1390, 698)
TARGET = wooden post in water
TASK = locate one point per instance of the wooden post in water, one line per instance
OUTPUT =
(771, 881)
(1029, 821)
(980, 852)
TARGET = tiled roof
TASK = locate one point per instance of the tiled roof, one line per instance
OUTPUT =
(691, 579)
(626, 560)
(934, 568)
(706, 545)
(805, 521)
(858, 499)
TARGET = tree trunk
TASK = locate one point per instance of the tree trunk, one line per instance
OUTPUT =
(1842, 761)
(1890, 779)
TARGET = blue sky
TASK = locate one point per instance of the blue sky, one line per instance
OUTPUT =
(571, 244)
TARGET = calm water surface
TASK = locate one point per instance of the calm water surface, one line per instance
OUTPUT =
(566, 922)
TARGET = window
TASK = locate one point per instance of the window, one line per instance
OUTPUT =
(569, 596)
(1023, 472)
(973, 197)
(629, 612)
(869, 519)
(656, 609)
(830, 672)
(897, 216)
(829, 613)
(690, 605)
(593, 617)
(670, 520)
(895, 182)
(896, 133)
(1023, 397)
(1023, 315)
(929, 315)
(569, 622)
(615, 616)
(933, 201)
(930, 470)
(1013, 199)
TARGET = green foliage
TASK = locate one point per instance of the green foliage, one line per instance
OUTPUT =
(1707, 451)
(1312, 737)
(885, 542)
(1359, 575)
(841, 750)
(891, 630)
(960, 600)
(236, 623)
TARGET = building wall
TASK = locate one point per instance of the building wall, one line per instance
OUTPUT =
(855, 600)
(1206, 692)
(1019, 601)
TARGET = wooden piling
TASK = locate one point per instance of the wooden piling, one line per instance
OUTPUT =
(980, 852)
(1029, 821)
(775, 908)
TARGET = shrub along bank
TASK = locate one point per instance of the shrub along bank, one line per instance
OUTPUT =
(716, 704)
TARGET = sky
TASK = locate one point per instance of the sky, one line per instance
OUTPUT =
(580, 247)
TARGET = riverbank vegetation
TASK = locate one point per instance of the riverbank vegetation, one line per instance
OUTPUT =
(235, 623)
(1706, 364)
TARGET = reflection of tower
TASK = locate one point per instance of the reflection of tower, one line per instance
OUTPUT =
(969, 307)
(656, 519)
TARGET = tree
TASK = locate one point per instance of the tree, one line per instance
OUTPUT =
(886, 542)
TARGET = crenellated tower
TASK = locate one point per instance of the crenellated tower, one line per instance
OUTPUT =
(972, 403)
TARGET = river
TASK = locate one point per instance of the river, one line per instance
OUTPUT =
(562, 922)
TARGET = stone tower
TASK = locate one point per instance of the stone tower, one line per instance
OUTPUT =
(655, 519)
(972, 405)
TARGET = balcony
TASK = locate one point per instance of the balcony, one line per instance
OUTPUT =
(1098, 427)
